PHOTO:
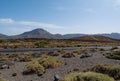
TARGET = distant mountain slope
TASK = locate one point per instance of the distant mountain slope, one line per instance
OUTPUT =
(67, 36)
(37, 33)
(95, 38)
(41, 33)
(2, 36)
(112, 35)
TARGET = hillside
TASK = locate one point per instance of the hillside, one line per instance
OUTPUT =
(37, 33)
(2, 36)
(95, 38)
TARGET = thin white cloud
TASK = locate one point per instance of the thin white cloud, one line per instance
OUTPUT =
(7, 20)
(38, 24)
(28, 23)
(12, 27)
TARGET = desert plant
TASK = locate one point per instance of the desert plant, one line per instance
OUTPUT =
(68, 55)
(115, 54)
(33, 67)
(49, 62)
(113, 71)
(87, 76)
(1, 79)
(41, 43)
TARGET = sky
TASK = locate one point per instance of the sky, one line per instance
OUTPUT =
(60, 16)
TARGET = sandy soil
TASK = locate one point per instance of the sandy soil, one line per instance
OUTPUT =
(72, 63)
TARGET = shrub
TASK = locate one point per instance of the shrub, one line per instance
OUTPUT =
(21, 57)
(113, 71)
(55, 53)
(115, 54)
(61, 51)
(33, 67)
(68, 55)
(49, 62)
(88, 76)
(80, 51)
(1, 79)
(39, 65)
(24, 58)
(41, 43)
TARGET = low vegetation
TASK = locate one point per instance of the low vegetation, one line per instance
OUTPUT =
(42, 43)
(39, 65)
(33, 67)
(87, 76)
(1, 79)
(113, 71)
(24, 57)
(114, 54)
(49, 62)
(68, 55)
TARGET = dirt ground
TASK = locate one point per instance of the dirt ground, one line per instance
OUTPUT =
(71, 64)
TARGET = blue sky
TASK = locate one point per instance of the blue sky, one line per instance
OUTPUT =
(60, 16)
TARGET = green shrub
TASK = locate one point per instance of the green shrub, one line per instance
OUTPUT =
(113, 71)
(49, 62)
(88, 76)
(33, 67)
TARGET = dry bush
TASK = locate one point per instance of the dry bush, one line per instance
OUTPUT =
(87, 76)
(113, 71)
(33, 67)
(115, 54)
(39, 65)
(68, 55)
(49, 62)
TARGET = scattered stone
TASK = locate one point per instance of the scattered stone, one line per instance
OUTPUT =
(56, 77)
(85, 55)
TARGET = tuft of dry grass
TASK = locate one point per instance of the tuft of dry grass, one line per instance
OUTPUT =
(1, 79)
(87, 76)
(114, 54)
(39, 65)
(113, 71)
(33, 67)
(49, 62)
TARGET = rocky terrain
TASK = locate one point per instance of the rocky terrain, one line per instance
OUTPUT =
(78, 62)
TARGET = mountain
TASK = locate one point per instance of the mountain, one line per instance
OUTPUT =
(67, 36)
(112, 35)
(95, 38)
(41, 33)
(37, 33)
(2, 36)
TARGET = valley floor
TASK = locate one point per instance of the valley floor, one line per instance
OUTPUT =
(69, 65)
